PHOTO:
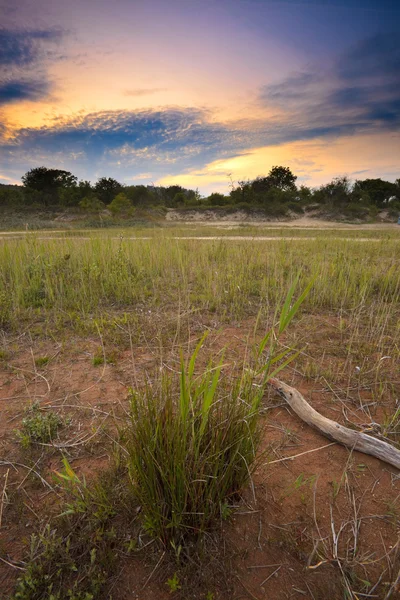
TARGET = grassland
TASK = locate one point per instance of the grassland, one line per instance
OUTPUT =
(86, 316)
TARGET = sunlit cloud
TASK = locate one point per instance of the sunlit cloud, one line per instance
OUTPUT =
(139, 92)
(190, 93)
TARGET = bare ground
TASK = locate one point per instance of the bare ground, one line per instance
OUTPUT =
(305, 528)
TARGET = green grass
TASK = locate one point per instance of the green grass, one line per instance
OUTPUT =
(192, 448)
(66, 279)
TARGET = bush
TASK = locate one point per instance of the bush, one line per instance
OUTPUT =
(356, 211)
(295, 207)
(91, 204)
(121, 205)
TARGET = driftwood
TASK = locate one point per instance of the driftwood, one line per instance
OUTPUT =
(355, 440)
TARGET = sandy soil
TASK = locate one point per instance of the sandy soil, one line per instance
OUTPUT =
(269, 546)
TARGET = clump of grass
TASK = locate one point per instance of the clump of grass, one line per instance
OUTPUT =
(5, 309)
(391, 427)
(191, 452)
(39, 427)
(41, 361)
(101, 357)
(4, 355)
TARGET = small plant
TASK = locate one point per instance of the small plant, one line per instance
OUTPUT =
(391, 427)
(39, 427)
(4, 355)
(173, 584)
(74, 557)
(100, 358)
(41, 361)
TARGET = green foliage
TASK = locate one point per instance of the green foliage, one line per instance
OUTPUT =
(5, 309)
(75, 558)
(38, 426)
(107, 188)
(41, 361)
(173, 583)
(49, 183)
(377, 191)
(121, 205)
(91, 204)
(188, 453)
(191, 451)
(216, 199)
(282, 178)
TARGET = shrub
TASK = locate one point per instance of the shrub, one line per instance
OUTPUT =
(91, 204)
(295, 207)
(121, 205)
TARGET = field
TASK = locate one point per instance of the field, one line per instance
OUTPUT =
(90, 321)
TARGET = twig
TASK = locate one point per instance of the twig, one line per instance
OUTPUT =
(269, 576)
(3, 495)
(301, 454)
(154, 570)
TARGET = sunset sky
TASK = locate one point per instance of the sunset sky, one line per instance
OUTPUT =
(197, 91)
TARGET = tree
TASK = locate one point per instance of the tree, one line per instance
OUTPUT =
(107, 188)
(121, 205)
(48, 182)
(337, 192)
(141, 195)
(282, 178)
(378, 190)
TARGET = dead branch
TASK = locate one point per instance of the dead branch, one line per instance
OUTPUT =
(354, 440)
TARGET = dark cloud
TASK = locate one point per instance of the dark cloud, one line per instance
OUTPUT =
(16, 90)
(375, 57)
(24, 57)
(21, 48)
(361, 90)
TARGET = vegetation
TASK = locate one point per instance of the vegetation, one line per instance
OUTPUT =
(39, 427)
(174, 434)
(275, 195)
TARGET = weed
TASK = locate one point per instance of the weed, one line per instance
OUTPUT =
(41, 361)
(4, 355)
(101, 357)
(39, 427)
(75, 557)
(173, 584)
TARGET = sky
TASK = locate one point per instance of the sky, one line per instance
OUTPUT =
(200, 93)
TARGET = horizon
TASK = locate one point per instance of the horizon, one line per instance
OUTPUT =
(197, 92)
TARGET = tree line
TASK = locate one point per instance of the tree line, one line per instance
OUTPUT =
(275, 193)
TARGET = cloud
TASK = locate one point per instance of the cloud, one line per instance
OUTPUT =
(347, 99)
(24, 56)
(360, 91)
(15, 90)
(139, 92)
(22, 48)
